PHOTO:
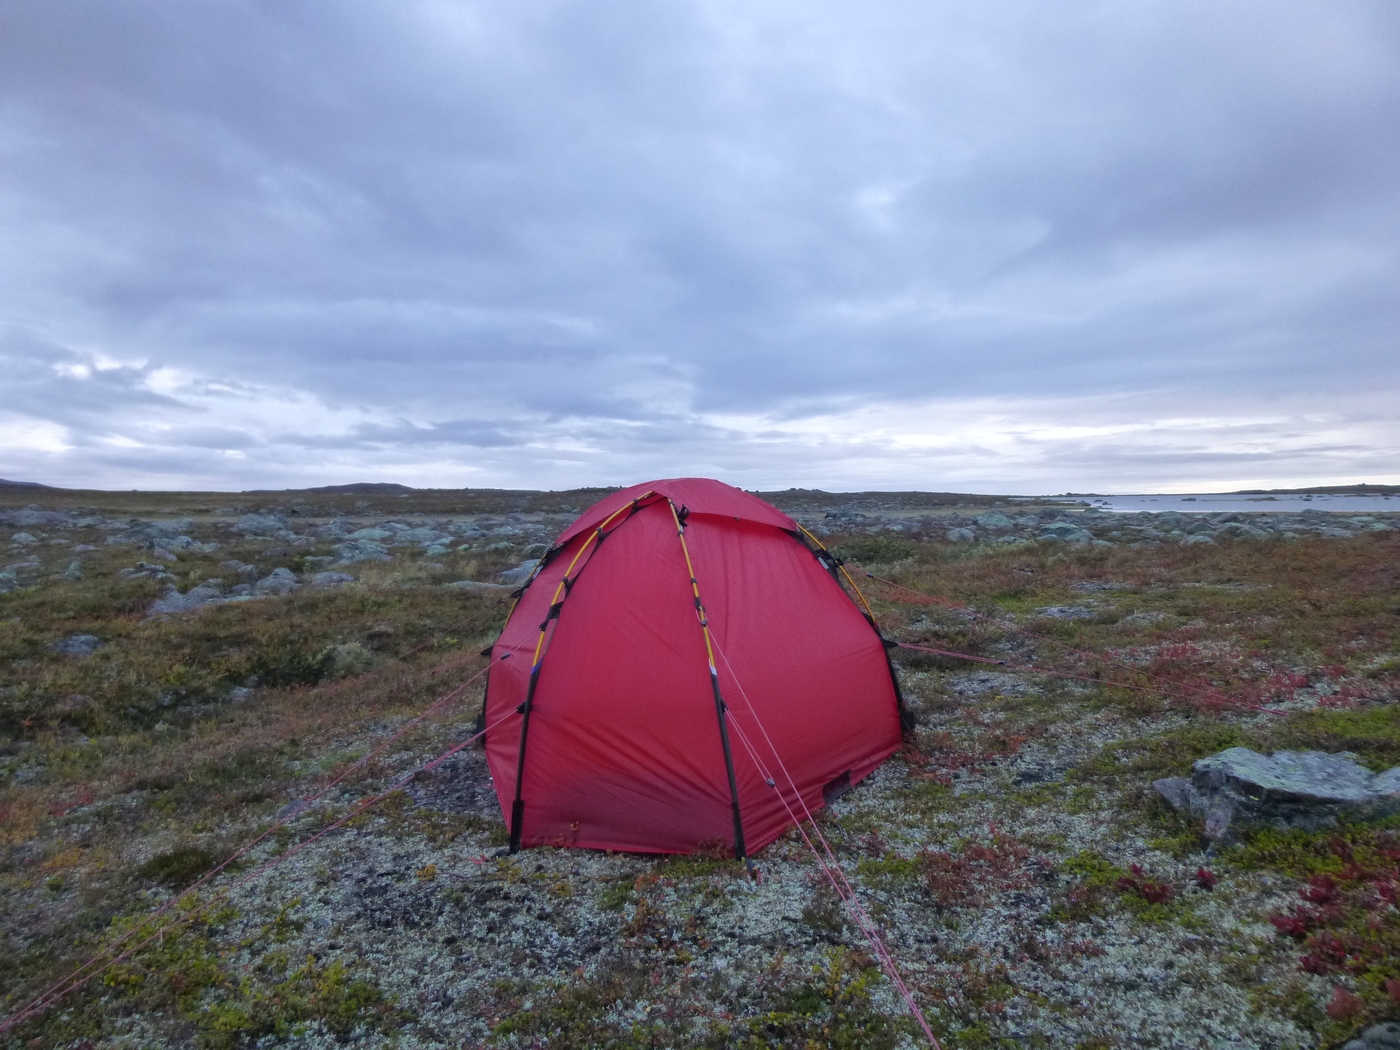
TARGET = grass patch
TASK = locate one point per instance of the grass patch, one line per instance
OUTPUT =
(178, 868)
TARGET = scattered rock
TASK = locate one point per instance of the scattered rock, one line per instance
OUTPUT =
(1065, 532)
(74, 572)
(172, 601)
(360, 550)
(1067, 612)
(423, 536)
(279, 581)
(521, 572)
(291, 809)
(975, 683)
(371, 534)
(1199, 537)
(23, 538)
(79, 645)
(1308, 790)
(259, 525)
(474, 585)
(993, 519)
(961, 536)
(1239, 531)
(1377, 1037)
(30, 516)
(145, 570)
(331, 579)
(8, 583)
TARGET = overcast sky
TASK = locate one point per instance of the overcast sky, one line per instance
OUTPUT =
(1003, 246)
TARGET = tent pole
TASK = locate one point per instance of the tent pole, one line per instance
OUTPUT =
(517, 806)
(740, 850)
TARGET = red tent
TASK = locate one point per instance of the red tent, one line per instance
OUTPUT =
(649, 672)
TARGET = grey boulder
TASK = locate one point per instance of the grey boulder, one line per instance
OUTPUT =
(35, 516)
(145, 570)
(424, 536)
(475, 585)
(371, 534)
(521, 572)
(993, 519)
(259, 525)
(360, 550)
(1377, 1037)
(1308, 790)
(172, 601)
(279, 581)
(961, 536)
(331, 579)
(1067, 612)
(1065, 532)
(79, 645)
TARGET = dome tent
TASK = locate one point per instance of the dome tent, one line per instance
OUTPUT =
(677, 631)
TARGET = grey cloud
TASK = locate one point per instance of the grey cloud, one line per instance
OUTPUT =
(464, 226)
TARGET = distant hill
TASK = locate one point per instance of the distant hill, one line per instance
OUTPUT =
(7, 484)
(1329, 490)
(357, 487)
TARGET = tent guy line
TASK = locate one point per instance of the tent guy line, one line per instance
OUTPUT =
(1164, 687)
(801, 631)
(81, 976)
(1032, 668)
(622, 692)
(830, 865)
(710, 646)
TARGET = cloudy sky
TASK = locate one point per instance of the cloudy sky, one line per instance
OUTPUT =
(1003, 246)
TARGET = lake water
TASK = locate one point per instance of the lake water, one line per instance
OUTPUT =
(1218, 503)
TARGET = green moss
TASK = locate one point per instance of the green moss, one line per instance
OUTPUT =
(830, 1008)
(715, 862)
(1091, 869)
(1166, 754)
(178, 868)
(1303, 854)
(1373, 733)
(616, 894)
(890, 870)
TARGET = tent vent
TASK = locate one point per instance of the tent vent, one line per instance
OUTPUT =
(836, 788)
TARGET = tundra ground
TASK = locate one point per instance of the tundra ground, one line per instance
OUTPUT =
(1032, 887)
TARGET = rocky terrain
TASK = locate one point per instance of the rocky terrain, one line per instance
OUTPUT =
(182, 672)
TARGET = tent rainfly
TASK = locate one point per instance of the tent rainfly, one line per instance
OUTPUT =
(681, 638)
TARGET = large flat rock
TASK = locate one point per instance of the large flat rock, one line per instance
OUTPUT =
(1309, 790)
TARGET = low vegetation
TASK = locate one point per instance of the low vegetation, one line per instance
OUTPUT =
(1034, 888)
